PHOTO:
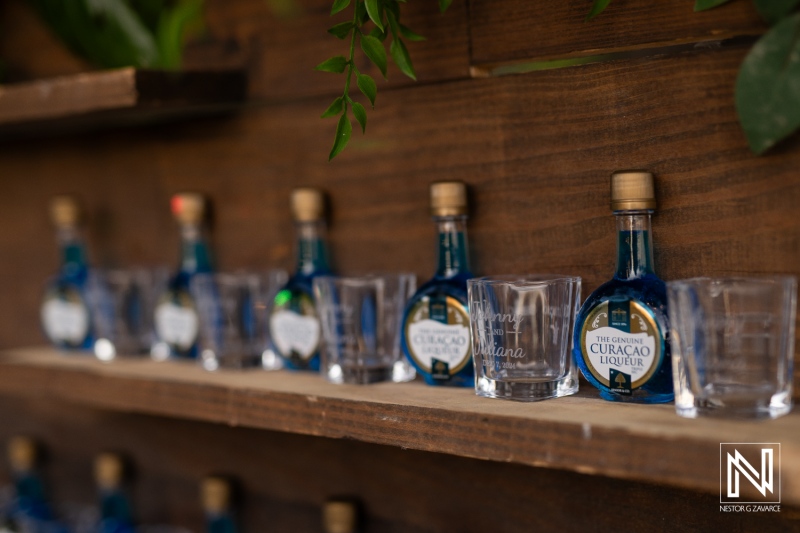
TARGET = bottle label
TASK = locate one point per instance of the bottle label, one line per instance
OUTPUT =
(437, 336)
(65, 316)
(622, 344)
(294, 326)
(176, 320)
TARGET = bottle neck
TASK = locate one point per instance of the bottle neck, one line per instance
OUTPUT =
(634, 245)
(195, 252)
(453, 254)
(312, 250)
(73, 249)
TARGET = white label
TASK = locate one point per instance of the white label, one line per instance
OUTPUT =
(430, 340)
(177, 325)
(631, 353)
(65, 321)
(292, 332)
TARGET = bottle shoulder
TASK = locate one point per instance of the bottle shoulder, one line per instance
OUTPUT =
(456, 287)
(649, 290)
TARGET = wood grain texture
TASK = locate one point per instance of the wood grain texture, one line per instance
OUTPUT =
(513, 30)
(281, 42)
(284, 479)
(582, 434)
(114, 97)
(537, 158)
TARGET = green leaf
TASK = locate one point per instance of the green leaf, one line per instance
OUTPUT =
(173, 26)
(378, 34)
(775, 10)
(702, 5)
(410, 35)
(767, 86)
(402, 59)
(444, 4)
(361, 12)
(338, 5)
(393, 24)
(334, 109)
(343, 131)
(368, 87)
(598, 7)
(341, 30)
(335, 64)
(374, 12)
(109, 33)
(375, 51)
(361, 116)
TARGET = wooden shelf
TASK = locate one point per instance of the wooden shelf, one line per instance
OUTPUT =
(580, 433)
(119, 97)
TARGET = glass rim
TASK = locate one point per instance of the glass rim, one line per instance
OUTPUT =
(524, 280)
(778, 279)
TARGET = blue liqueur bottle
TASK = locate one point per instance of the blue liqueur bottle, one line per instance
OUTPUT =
(620, 342)
(115, 508)
(216, 493)
(435, 331)
(294, 326)
(65, 314)
(30, 510)
(177, 322)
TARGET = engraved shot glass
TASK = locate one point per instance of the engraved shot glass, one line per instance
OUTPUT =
(122, 304)
(361, 319)
(732, 346)
(232, 313)
(522, 335)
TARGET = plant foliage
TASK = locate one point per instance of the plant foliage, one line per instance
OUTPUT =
(121, 33)
(373, 23)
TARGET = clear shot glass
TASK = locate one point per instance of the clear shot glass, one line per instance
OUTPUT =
(522, 335)
(122, 304)
(361, 318)
(232, 312)
(732, 346)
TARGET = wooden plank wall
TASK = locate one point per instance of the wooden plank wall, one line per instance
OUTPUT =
(286, 478)
(536, 149)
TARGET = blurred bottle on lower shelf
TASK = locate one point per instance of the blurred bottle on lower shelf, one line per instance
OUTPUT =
(28, 511)
(217, 498)
(65, 311)
(340, 516)
(115, 508)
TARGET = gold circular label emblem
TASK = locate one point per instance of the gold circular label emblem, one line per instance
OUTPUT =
(623, 340)
(438, 347)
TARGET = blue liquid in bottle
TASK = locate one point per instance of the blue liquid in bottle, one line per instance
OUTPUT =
(621, 332)
(435, 332)
(294, 327)
(115, 512)
(30, 509)
(65, 313)
(177, 322)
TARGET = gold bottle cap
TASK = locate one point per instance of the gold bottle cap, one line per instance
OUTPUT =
(108, 470)
(339, 517)
(448, 198)
(188, 207)
(22, 454)
(215, 493)
(308, 204)
(64, 211)
(632, 190)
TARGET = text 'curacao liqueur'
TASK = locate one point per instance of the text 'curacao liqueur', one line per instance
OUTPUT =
(436, 334)
(621, 343)
(216, 493)
(65, 314)
(177, 322)
(294, 326)
(115, 508)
